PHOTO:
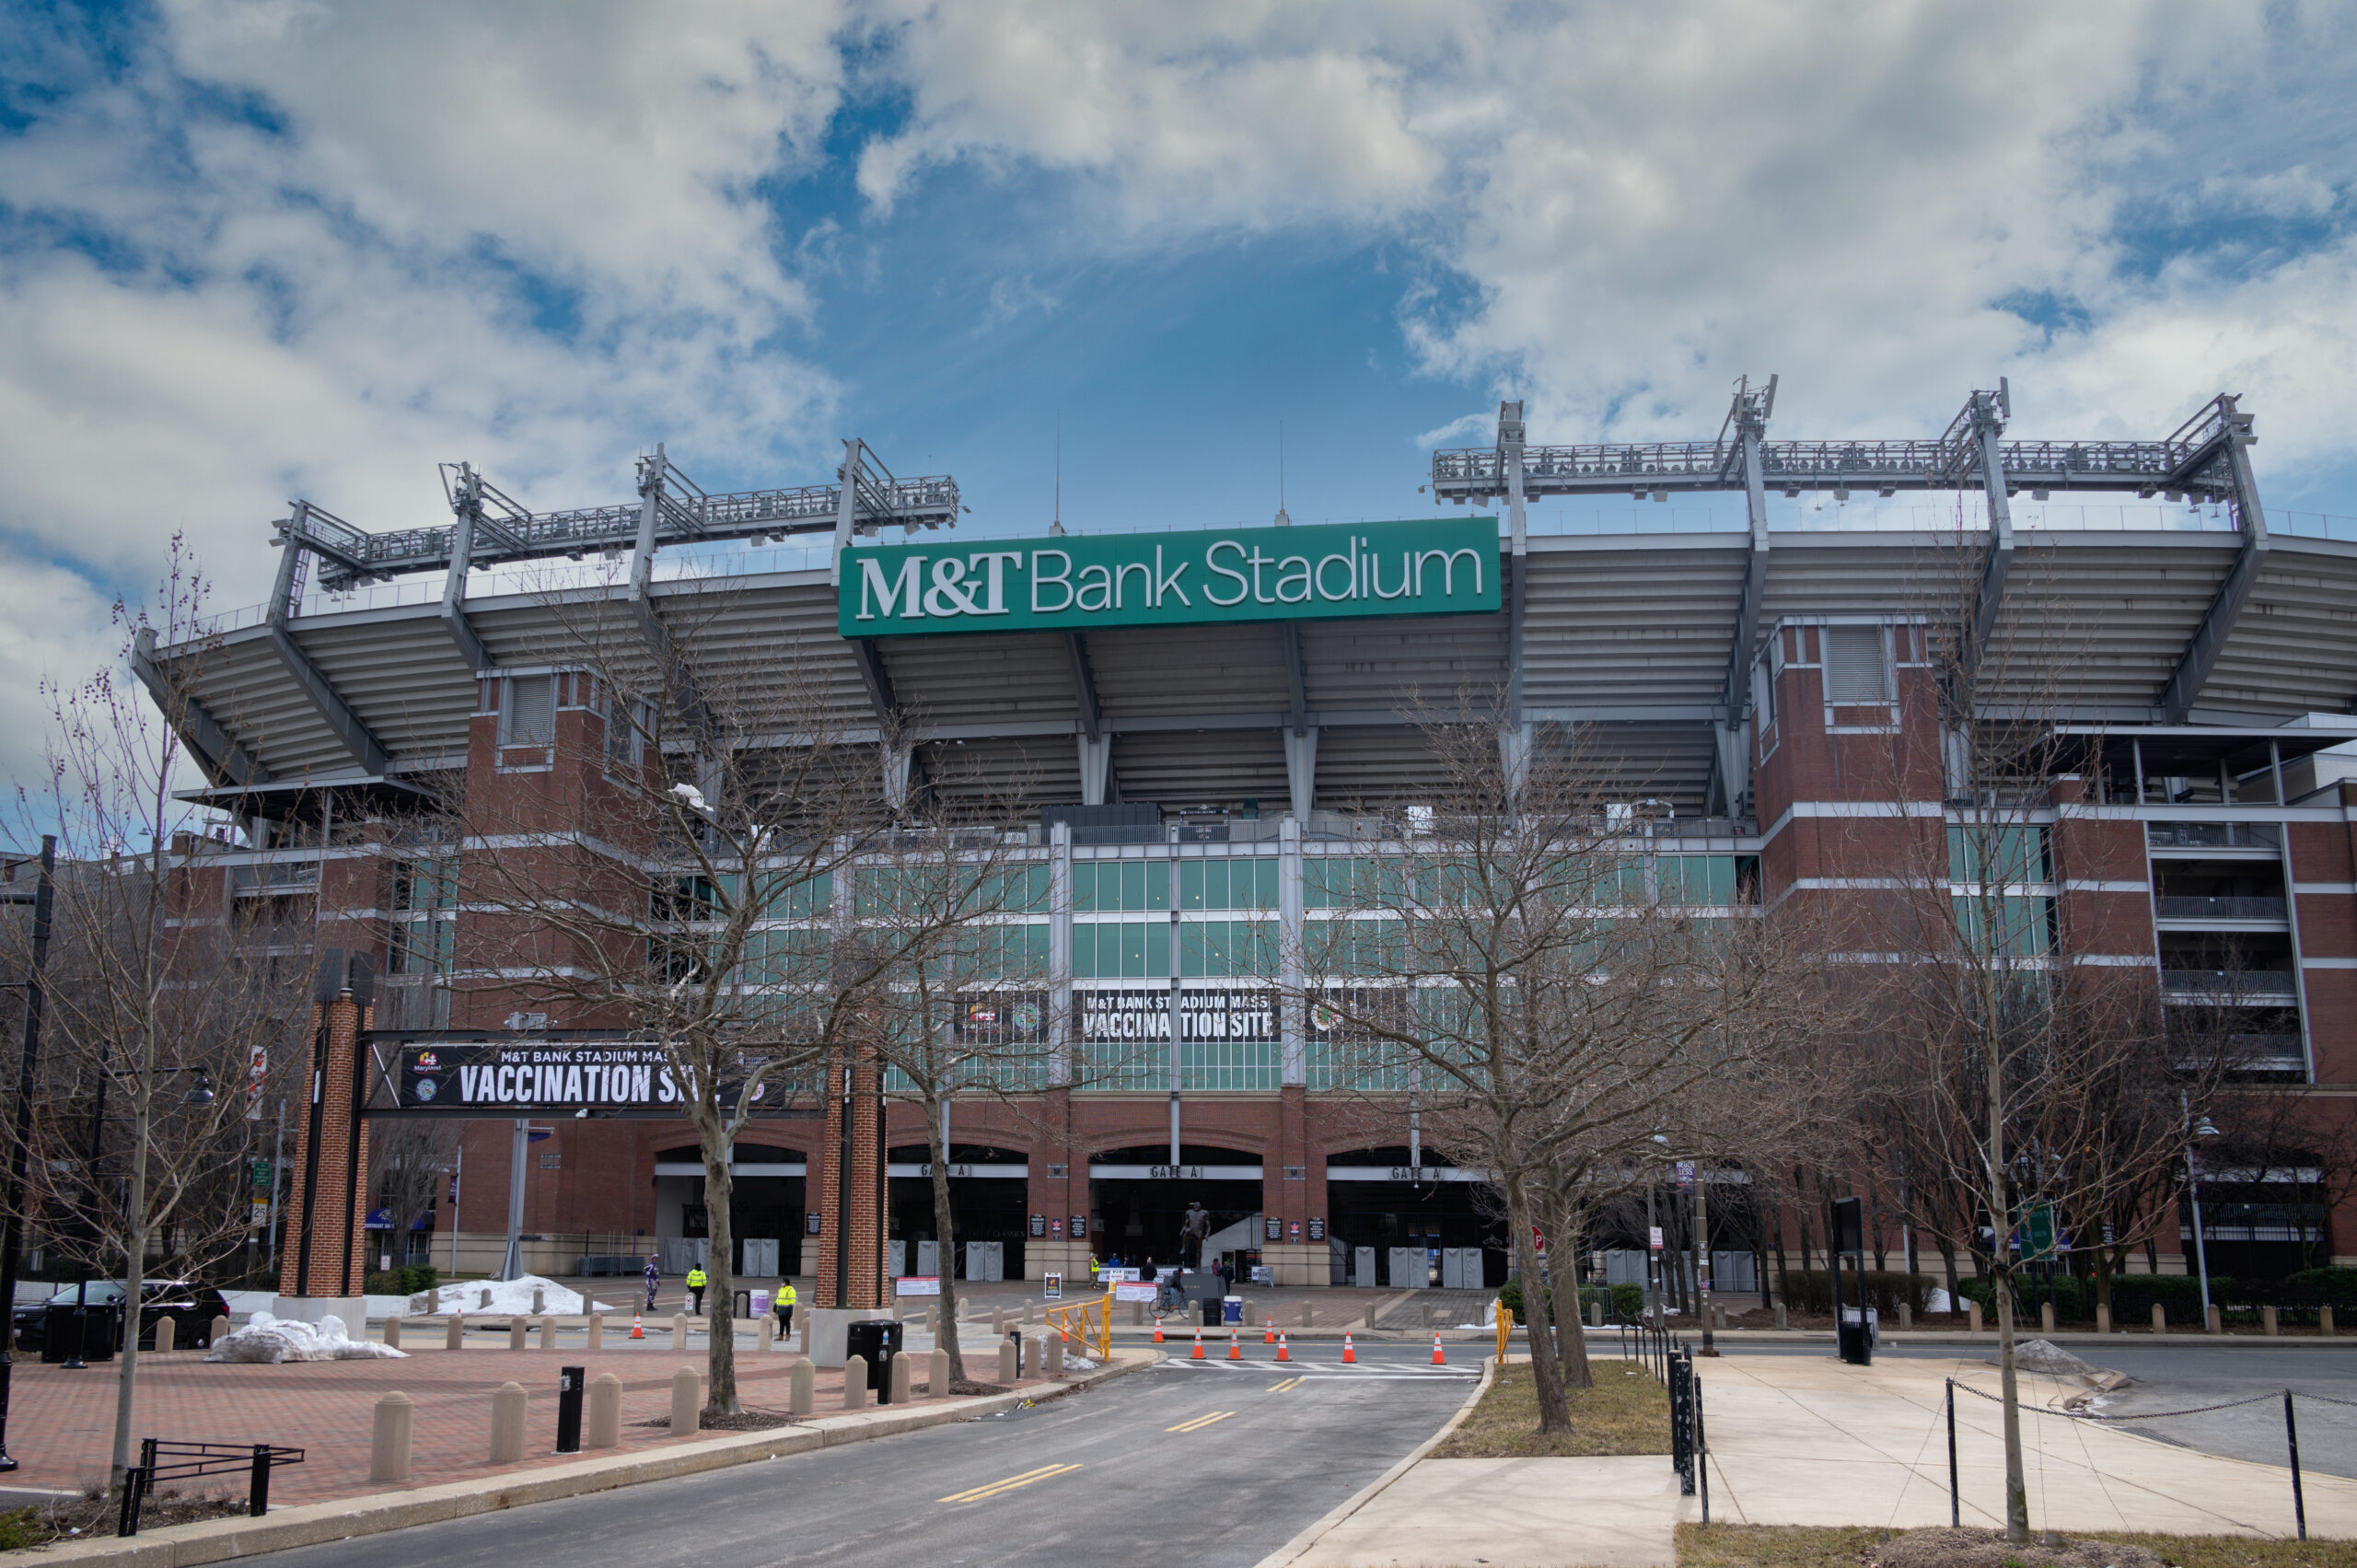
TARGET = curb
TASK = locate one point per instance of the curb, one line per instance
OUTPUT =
(312, 1523)
(1367, 1493)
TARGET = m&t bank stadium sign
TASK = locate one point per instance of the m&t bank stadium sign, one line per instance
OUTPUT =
(1445, 566)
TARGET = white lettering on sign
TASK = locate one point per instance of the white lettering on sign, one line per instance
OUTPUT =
(1175, 1172)
(1656, 1239)
(1417, 1172)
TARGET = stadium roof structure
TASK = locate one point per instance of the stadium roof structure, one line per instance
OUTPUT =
(1648, 636)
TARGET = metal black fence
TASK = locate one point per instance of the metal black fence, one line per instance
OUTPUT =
(163, 1460)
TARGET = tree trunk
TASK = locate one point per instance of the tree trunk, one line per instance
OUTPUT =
(2016, 1483)
(1554, 1415)
(1783, 1268)
(1947, 1260)
(1571, 1335)
(944, 1245)
(719, 1296)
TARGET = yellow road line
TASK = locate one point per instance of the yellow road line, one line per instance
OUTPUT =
(1288, 1383)
(1045, 1472)
(1200, 1422)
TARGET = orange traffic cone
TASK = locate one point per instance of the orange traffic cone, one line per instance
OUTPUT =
(1157, 1330)
(638, 1326)
(1235, 1346)
(1350, 1353)
(1438, 1359)
(1283, 1351)
(1199, 1346)
(1269, 1336)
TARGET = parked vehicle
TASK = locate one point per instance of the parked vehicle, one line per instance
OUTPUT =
(192, 1307)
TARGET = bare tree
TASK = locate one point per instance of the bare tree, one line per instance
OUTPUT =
(164, 1010)
(409, 1161)
(1502, 966)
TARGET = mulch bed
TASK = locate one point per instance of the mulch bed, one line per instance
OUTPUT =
(746, 1419)
(93, 1514)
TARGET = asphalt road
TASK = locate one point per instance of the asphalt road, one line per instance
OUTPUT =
(1208, 1464)
(2182, 1376)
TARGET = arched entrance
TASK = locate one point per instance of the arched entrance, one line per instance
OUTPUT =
(987, 1185)
(1137, 1201)
(1389, 1216)
(765, 1209)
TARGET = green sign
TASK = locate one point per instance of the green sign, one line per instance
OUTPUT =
(1443, 567)
(2040, 1240)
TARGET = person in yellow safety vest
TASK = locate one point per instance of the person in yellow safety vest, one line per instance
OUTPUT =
(697, 1280)
(784, 1306)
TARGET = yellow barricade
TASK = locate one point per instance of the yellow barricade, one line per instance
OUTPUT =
(1505, 1327)
(1089, 1323)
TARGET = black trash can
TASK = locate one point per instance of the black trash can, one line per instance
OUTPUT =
(879, 1341)
(95, 1339)
(1212, 1309)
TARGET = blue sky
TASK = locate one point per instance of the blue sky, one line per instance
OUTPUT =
(254, 249)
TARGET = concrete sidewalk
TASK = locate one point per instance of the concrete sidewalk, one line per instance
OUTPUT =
(1798, 1440)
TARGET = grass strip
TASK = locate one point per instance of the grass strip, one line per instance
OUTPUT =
(1625, 1413)
(1817, 1546)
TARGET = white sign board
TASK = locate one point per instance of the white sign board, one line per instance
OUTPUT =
(1116, 1276)
(1656, 1239)
(1131, 1290)
(917, 1285)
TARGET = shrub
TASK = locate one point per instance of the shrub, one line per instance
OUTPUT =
(2335, 1287)
(407, 1281)
(1811, 1290)
(2132, 1296)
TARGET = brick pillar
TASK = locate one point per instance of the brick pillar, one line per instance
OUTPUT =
(328, 1258)
(856, 1239)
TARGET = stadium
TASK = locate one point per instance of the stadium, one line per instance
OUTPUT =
(1189, 721)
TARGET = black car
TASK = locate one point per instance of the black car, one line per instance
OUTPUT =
(192, 1307)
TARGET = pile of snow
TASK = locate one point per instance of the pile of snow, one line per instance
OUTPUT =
(1938, 1301)
(502, 1298)
(2044, 1355)
(271, 1340)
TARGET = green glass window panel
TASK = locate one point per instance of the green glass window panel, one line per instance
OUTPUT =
(1083, 888)
(1191, 884)
(1216, 876)
(1133, 885)
(1264, 883)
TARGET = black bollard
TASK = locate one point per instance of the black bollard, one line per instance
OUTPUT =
(2292, 1440)
(572, 1384)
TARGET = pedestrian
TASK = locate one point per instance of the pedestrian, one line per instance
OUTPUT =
(697, 1280)
(783, 1308)
(654, 1280)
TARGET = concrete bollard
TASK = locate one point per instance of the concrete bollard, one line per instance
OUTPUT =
(452, 1329)
(388, 1439)
(1905, 1314)
(804, 1331)
(597, 1330)
(1051, 1356)
(1034, 1354)
(1428, 1317)
(517, 1328)
(998, 1322)
(166, 1330)
(678, 1330)
(2103, 1317)
(932, 1320)
(2160, 1319)
(1309, 1316)
(1007, 1372)
(687, 1402)
(1251, 1313)
(802, 1391)
(937, 1381)
(220, 1329)
(393, 1331)
(1719, 1317)
(548, 1333)
(2217, 1318)
(1974, 1308)
(605, 1412)
(483, 1304)
(2267, 1323)
(1137, 1314)
(1026, 1314)
(2046, 1316)
(854, 1382)
(1596, 1313)
(768, 1335)
(508, 1423)
(539, 1301)
(1784, 1316)
(2324, 1321)
(899, 1377)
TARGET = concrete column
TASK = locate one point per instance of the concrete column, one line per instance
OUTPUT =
(507, 1407)
(1291, 1052)
(454, 1328)
(597, 1330)
(802, 1385)
(687, 1402)
(393, 1331)
(937, 1375)
(856, 1383)
(1061, 1043)
(605, 1412)
(389, 1441)
(1301, 770)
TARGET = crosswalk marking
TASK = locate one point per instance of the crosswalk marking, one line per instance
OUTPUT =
(1045, 1472)
(1200, 1422)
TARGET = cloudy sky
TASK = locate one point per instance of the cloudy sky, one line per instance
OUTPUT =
(251, 250)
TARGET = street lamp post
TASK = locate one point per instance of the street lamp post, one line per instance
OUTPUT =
(2194, 1134)
(12, 1234)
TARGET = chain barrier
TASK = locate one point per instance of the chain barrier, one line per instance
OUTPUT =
(2140, 1415)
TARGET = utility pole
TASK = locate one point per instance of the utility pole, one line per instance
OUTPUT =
(1702, 1255)
(19, 1152)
